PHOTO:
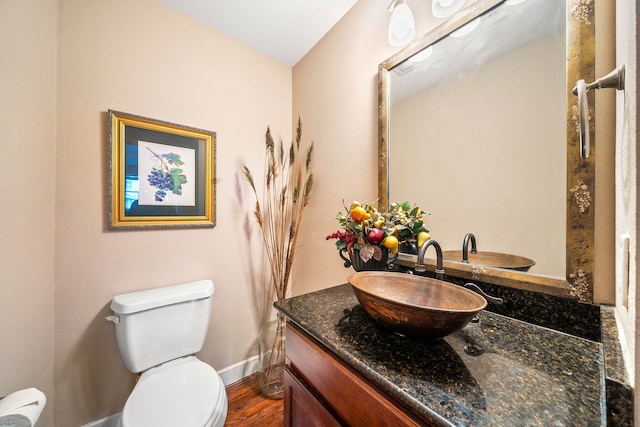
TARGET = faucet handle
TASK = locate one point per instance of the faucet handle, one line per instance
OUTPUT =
(489, 298)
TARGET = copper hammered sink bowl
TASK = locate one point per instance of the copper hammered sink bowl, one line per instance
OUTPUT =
(415, 306)
(492, 259)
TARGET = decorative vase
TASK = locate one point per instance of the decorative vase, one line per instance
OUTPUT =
(272, 346)
(409, 248)
(358, 264)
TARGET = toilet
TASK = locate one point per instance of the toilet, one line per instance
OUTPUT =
(158, 333)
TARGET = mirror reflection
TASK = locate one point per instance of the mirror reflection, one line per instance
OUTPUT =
(477, 134)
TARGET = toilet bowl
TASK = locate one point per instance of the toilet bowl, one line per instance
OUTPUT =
(184, 392)
(158, 333)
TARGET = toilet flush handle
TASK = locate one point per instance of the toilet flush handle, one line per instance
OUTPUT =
(114, 319)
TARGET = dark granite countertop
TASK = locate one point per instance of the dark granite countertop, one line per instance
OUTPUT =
(497, 372)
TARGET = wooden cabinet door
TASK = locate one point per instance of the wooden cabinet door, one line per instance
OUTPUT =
(354, 400)
(301, 407)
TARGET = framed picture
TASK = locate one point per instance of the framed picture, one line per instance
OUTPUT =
(161, 175)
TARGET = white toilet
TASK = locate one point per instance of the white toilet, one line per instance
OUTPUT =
(158, 332)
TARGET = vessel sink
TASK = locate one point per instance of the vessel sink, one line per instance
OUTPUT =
(415, 306)
(492, 259)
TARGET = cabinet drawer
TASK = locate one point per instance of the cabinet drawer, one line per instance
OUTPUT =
(353, 398)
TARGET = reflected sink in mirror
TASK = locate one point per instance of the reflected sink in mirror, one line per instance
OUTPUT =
(415, 306)
(492, 259)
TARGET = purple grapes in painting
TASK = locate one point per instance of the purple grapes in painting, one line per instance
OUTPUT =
(162, 181)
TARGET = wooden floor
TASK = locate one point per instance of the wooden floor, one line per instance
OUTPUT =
(249, 408)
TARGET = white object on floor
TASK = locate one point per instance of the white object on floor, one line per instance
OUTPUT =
(28, 402)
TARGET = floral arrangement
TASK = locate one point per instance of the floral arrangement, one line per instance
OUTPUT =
(366, 229)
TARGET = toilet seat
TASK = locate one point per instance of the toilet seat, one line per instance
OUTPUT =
(184, 392)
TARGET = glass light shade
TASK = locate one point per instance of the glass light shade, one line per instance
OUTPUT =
(422, 55)
(445, 8)
(402, 26)
(466, 29)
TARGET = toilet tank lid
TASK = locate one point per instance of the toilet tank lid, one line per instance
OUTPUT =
(134, 302)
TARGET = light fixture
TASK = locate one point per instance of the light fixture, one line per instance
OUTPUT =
(402, 26)
(467, 28)
(445, 8)
(422, 55)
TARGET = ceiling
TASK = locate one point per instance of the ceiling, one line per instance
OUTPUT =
(282, 29)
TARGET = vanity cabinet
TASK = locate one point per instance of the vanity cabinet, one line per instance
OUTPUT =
(343, 368)
(321, 390)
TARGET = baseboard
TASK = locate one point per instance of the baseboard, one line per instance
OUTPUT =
(240, 370)
(229, 375)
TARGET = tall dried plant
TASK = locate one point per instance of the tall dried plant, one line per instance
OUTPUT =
(287, 186)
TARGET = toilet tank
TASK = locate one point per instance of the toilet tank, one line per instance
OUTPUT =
(157, 325)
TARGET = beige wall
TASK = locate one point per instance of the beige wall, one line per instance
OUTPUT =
(335, 89)
(143, 58)
(605, 137)
(27, 148)
(626, 180)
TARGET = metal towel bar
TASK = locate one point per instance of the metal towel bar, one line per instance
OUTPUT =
(615, 79)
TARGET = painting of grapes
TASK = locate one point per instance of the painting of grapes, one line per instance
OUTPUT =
(166, 173)
(161, 174)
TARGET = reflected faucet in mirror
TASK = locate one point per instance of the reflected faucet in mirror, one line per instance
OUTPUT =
(465, 247)
(439, 263)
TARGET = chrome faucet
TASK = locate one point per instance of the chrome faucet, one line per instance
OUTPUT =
(465, 247)
(420, 261)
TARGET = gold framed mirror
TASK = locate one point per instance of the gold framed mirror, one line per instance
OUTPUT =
(539, 204)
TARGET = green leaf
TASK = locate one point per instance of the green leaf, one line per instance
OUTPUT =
(173, 159)
(178, 179)
(406, 206)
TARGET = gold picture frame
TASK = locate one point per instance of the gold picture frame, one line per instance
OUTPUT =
(161, 175)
